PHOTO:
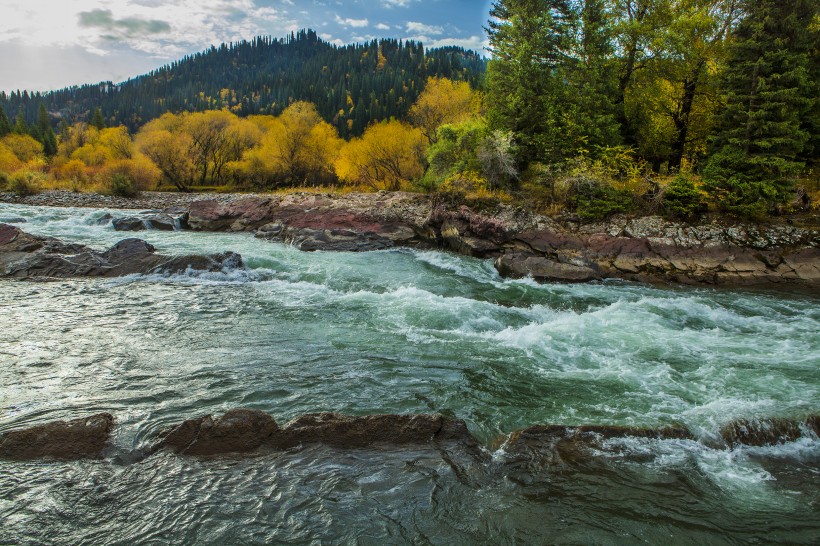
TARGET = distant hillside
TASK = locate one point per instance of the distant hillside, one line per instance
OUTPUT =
(351, 85)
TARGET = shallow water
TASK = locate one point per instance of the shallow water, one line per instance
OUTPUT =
(401, 331)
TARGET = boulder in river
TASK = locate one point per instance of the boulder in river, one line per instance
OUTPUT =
(26, 256)
(522, 264)
(83, 438)
(129, 223)
(348, 432)
(535, 452)
(241, 431)
(770, 431)
(238, 431)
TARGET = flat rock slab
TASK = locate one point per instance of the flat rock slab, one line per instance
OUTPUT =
(242, 431)
(26, 256)
(83, 438)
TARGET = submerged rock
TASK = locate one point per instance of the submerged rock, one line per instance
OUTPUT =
(238, 431)
(532, 453)
(241, 431)
(362, 431)
(764, 432)
(337, 240)
(161, 221)
(83, 438)
(25, 256)
(130, 223)
(523, 264)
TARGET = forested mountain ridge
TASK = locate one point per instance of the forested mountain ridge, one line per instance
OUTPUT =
(352, 86)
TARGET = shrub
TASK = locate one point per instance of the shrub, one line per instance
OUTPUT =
(748, 186)
(122, 186)
(595, 199)
(25, 183)
(682, 199)
(4, 180)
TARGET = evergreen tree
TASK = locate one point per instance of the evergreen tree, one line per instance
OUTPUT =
(593, 81)
(755, 154)
(45, 132)
(530, 41)
(20, 125)
(97, 119)
(5, 124)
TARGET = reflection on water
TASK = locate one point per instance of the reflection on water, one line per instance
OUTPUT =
(395, 332)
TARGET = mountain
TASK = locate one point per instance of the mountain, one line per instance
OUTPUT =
(351, 85)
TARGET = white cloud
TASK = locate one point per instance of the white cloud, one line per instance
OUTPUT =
(421, 28)
(398, 3)
(355, 23)
(382, 26)
(476, 43)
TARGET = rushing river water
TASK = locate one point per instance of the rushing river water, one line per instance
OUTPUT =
(400, 331)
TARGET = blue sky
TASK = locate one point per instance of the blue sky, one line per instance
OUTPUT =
(48, 44)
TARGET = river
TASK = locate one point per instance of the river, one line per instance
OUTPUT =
(401, 331)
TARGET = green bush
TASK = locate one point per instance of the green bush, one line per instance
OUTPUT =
(748, 186)
(24, 183)
(4, 180)
(682, 199)
(594, 199)
(122, 186)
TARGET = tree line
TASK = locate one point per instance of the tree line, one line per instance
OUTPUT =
(351, 86)
(218, 148)
(724, 88)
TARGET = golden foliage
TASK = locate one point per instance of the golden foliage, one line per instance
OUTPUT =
(298, 148)
(444, 102)
(9, 162)
(24, 147)
(387, 157)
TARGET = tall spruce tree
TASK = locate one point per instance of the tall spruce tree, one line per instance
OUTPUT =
(97, 119)
(20, 125)
(755, 155)
(530, 41)
(45, 132)
(5, 124)
(593, 80)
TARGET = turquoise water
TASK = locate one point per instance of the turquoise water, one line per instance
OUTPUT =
(401, 331)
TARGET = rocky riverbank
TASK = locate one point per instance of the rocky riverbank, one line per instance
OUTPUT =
(646, 249)
(522, 243)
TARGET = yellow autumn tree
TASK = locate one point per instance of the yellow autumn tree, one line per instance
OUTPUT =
(9, 162)
(443, 102)
(297, 149)
(196, 148)
(24, 147)
(388, 156)
(170, 152)
(87, 155)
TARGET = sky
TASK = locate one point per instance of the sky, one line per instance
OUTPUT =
(50, 44)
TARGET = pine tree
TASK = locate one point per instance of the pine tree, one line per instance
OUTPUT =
(45, 132)
(97, 119)
(5, 124)
(530, 40)
(593, 81)
(20, 125)
(754, 156)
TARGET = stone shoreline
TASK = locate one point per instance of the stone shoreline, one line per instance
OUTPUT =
(522, 243)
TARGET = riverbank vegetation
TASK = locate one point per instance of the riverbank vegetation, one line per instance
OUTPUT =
(592, 107)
